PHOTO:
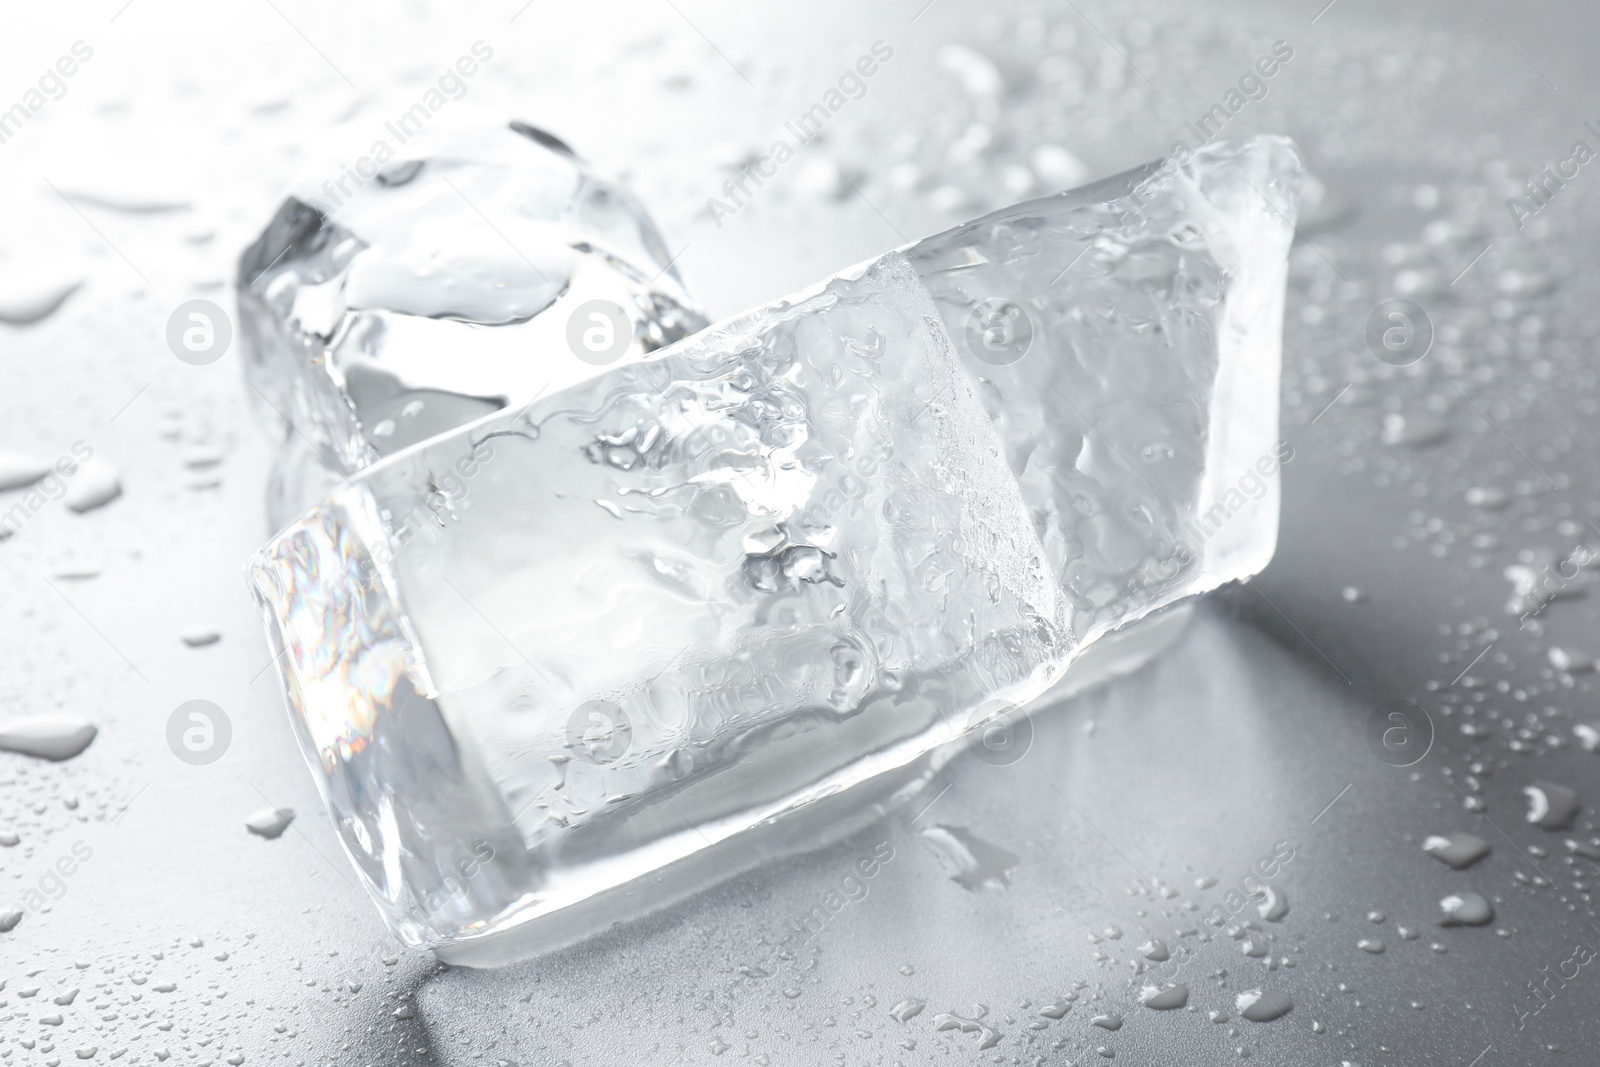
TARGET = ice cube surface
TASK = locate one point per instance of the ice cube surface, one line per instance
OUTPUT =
(544, 663)
(417, 278)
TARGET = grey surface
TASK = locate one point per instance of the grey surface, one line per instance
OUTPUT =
(1241, 738)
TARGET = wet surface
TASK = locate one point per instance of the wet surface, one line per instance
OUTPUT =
(1434, 550)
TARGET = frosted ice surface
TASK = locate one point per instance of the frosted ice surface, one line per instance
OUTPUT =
(406, 293)
(544, 660)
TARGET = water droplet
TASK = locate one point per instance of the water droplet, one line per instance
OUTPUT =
(1263, 1006)
(907, 1009)
(1458, 850)
(1489, 498)
(18, 471)
(270, 823)
(1551, 806)
(199, 636)
(28, 300)
(51, 737)
(1110, 1021)
(1373, 945)
(1164, 998)
(1465, 909)
(971, 862)
(1417, 430)
(1566, 659)
(94, 486)
(987, 1038)
(1272, 904)
(1155, 950)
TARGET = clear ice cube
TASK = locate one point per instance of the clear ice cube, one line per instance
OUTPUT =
(441, 279)
(566, 661)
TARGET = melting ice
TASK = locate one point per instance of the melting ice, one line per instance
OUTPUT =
(617, 615)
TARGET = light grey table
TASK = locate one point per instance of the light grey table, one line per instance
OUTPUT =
(1136, 808)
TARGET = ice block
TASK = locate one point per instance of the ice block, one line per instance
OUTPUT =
(411, 281)
(562, 662)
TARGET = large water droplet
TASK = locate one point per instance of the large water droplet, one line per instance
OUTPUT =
(52, 737)
(1465, 909)
(18, 471)
(972, 862)
(1263, 1006)
(28, 300)
(1551, 806)
(907, 1009)
(95, 485)
(1272, 904)
(1164, 998)
(1458, 850)
(987, 1037)
(1155, 950)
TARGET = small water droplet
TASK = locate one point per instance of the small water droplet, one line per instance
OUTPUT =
(270, 823)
